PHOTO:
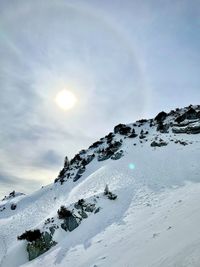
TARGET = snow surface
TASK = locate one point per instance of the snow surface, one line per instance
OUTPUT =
(154, 221)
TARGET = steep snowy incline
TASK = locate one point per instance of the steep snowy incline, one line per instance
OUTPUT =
(153, 168)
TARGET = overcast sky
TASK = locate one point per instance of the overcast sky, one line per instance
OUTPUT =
(124, 60)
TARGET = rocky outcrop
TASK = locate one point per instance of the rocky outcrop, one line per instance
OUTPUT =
(122, 129)
(163, 128)
(38, 243)
(118, 155)
(13, 194)
(109, 147)
(190, 114)
(159, 143)
(193, 128)
(70, 223)
(161, 116)
(109, 194)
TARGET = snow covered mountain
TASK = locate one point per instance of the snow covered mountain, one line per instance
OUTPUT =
(130, 200)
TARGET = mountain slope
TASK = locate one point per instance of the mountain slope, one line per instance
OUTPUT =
(153, 168)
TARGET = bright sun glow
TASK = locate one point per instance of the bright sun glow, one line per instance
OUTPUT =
(65, 99)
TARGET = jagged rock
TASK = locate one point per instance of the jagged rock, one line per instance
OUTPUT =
(70, 223)
(190, 114)
(90, 207)
(114, 146)
(13, 194)
(161, 116)
(96, 144)
(52, 229)
(105, 154)
(87, 159)
(151, 123)
(80, 204)
(40, 246)
(83, 214)
(158, 143)
(97, 210)
(79, 173)
(66, 163)
(109, 137)
(163, 128)
(109, 194)
(122, 129)
(190, 129)
(13, 206)
(181, 142)
(132, 135)
(142, 121)
(61, 174)
(118, 155)
(142, 135)
(63, 212)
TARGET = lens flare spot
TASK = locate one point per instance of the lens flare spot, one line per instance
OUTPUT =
(131, 166)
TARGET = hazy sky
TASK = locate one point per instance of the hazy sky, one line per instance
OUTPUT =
(124, 60)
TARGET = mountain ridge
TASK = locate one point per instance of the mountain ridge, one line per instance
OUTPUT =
(151, 171)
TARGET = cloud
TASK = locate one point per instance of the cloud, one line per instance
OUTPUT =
(49, 159)
(9, 183)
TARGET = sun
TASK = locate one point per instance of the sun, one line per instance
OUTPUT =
(65, 99)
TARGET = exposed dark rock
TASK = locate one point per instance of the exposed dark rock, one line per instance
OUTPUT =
(132, 135)
(114, 146)
(122, 129)
(12, 194)
(190, 114)
(109, 137)
(109, 194)
(97, 210)
(118, 155)
(87, 159)
(80, 204)
(66, 163)
(76, 159)
(142, 121)
(161, 116)
(190, 129)
(70, 223)
(63, 212)
(163, 128)
(79, 173)
(62, 173)
(90, 207)
(31, 235)
(142, 135)
(96, 144)
(83, 214)
(181, 142)
(40, 246)
(151, 123)
(13, 206)
(105, 154)
(158, 143)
